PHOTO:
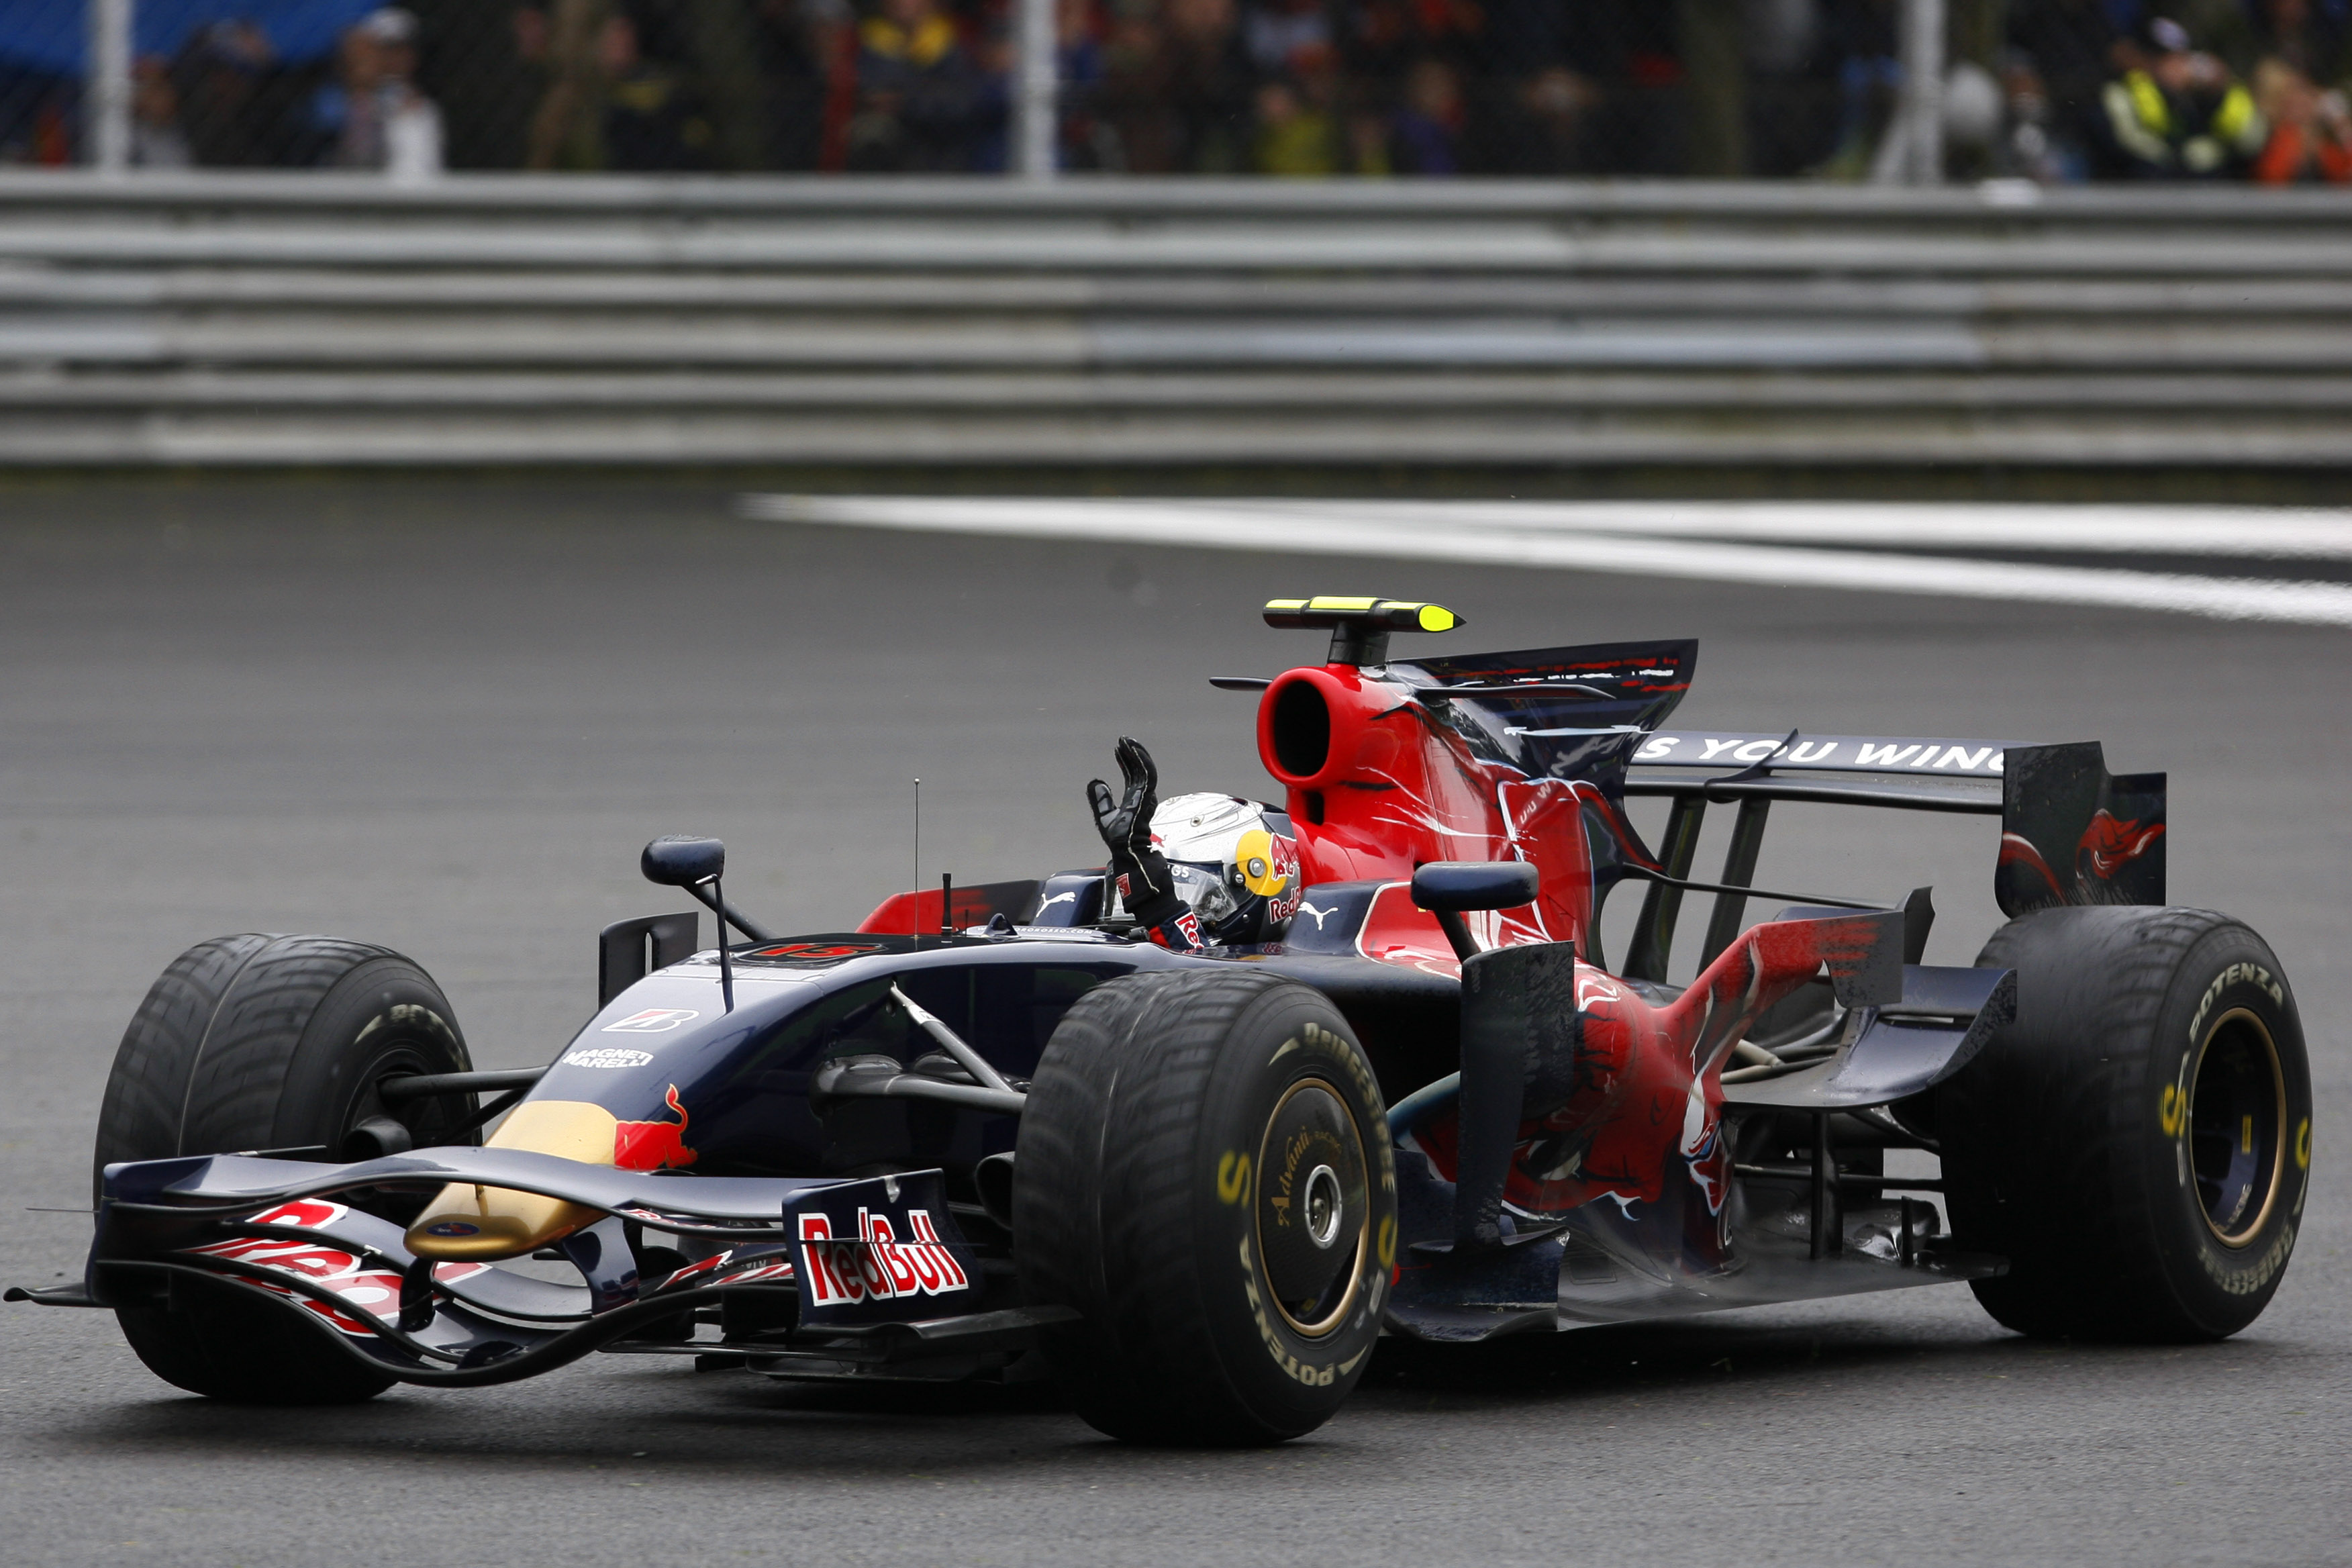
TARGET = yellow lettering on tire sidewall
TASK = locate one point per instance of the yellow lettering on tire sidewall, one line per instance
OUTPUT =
(1234, 1177)
(1306, 1372)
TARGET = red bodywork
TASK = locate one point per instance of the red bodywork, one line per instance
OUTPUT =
(918, 914)
(1389, 789)
(1648, 1085)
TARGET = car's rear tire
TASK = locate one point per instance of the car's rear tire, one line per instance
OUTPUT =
(271, 1042)
(1204, 1173)
(2137, 1143)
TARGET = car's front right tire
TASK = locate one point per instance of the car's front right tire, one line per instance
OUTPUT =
(1204, 1173)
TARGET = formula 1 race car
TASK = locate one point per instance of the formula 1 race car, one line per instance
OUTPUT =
(1374, 1076)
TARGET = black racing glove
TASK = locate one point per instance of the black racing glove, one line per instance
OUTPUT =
(1137, 870)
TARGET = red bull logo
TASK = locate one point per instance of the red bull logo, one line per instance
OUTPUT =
(2106, 847)
(878, 1266)
(1286, 872)
(653, 1145)
(2107, 844)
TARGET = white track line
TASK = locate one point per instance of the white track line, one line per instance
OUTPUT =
(2261, 533)
(1436, 533)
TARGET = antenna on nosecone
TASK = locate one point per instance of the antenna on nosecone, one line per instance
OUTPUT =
(915, 871)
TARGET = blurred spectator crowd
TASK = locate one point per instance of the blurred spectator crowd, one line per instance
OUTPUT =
(2049, 90)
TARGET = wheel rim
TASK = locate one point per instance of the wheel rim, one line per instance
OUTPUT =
(1313, 1208)
(2237, 1116)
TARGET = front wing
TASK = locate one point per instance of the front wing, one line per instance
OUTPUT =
(867, 1272)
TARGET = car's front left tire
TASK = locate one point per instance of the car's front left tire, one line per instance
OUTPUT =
(271, 1042)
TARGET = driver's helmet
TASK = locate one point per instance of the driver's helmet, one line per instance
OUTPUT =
(1233, 861)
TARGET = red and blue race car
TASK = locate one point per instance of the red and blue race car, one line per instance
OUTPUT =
(1189, 1131)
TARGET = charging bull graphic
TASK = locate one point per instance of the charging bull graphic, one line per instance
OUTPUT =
(653, 1145)
(2072, 833)
(1605, 1093)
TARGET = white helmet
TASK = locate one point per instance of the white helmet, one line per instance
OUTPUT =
(1233, 861)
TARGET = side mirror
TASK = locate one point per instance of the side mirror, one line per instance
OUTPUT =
(1457, 885)
(1446, 887)
(679, 860)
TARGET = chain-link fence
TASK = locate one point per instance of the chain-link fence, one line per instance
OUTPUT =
(2052, 90)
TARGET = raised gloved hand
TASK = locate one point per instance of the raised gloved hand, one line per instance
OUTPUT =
(1125, 823)
(1136, 869)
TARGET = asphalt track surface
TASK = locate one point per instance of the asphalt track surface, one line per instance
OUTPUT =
(445, 717)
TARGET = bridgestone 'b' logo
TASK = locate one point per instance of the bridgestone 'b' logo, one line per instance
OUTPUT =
(876, 1266)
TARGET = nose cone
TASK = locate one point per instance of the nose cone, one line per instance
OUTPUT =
(469, 1224)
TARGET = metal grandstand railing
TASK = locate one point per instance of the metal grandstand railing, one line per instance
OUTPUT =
(1680, 327)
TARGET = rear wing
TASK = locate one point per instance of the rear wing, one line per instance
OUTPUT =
(2072, 832)
(1910, 773)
